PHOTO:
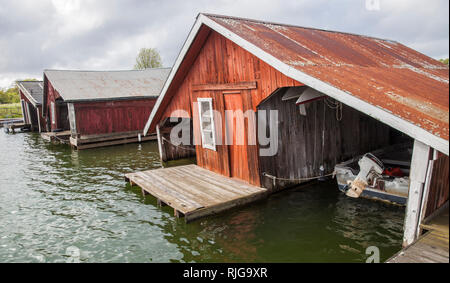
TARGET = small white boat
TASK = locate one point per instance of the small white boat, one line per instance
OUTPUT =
(386, 174)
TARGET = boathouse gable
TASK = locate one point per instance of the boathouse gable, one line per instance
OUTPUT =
(229, 76)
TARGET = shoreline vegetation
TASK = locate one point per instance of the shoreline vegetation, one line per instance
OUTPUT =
(10, 110)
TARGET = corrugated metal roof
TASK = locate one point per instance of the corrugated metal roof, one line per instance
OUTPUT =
(384, 73)
(107, 85)
(33, 90)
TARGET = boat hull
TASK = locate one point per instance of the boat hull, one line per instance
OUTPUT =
(378, 195)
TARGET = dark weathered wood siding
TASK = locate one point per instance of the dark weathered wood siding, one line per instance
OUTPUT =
(34, 113)
(300, 152)
(169, 151)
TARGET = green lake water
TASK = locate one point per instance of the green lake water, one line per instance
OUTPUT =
(54, 200)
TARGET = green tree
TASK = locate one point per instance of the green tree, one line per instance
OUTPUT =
(148, 58)
(3, 97)
(11, 94)
(445, 61)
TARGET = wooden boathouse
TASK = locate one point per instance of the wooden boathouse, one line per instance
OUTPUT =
(31, 93)
(333, 95)
(100, 108)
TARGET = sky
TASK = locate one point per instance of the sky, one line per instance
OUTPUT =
(107, 34)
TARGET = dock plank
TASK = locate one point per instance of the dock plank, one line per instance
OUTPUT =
(228, 185)
(433, 246)
(187, 188)
(218, 192)
(234, 185)
(194, 191)
(157, 189)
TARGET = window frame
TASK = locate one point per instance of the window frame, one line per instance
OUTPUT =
(213, 129)
(53, 112)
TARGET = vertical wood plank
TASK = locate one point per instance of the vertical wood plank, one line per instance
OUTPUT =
(162, 152)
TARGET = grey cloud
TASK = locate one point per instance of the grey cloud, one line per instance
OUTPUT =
(30, 42)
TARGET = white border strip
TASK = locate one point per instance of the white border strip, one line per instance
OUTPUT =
(375, 112)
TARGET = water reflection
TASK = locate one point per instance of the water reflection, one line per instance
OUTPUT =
(54, 199)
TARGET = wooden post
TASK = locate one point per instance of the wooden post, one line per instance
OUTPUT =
(417, 176)
(39, 119)
(162, 153)
(160, 203)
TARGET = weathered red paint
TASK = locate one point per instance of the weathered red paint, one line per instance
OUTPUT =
(108, 117)
(217, 60)
(97, 117)
(52, 95)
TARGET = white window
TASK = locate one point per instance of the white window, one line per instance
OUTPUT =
(52, 108)
(207, 123)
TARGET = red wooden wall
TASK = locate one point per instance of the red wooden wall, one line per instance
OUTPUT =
(51, 96)
(220, 61)
(439, 186)
(107, 117)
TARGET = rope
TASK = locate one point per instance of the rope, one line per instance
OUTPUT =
(335, 105)
(179, 146)
(297, 180)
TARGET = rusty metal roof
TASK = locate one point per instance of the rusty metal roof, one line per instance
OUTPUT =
(33, 90)
(384, 73)
(107, 85)
(382, 78)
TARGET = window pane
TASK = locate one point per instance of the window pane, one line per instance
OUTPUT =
(207, 127)
(207, 121)
(205, 108)
(208, 138)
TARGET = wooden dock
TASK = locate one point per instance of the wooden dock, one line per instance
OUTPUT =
(11, 128)
(431, 247)
(7, 121)
(194, 192)
(93, 141)
(62, 137)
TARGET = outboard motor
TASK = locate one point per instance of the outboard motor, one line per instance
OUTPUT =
(368, 164)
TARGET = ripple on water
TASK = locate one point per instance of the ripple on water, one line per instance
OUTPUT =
(57, 203)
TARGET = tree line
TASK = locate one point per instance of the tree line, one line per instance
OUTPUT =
(11, 94)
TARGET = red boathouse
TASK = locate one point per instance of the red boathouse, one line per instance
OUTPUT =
(100, 108)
